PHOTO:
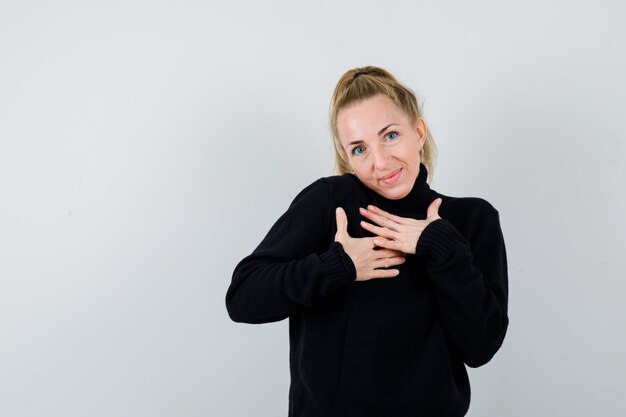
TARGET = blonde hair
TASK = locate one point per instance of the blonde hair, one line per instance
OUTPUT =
(359, 84)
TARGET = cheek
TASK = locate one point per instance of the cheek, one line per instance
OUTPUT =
(412, 153)
(359, 167)
(360, 164)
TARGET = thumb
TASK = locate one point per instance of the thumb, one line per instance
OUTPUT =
(433, 209)
(342, 224)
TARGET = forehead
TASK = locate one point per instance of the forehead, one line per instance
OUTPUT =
(366, 118)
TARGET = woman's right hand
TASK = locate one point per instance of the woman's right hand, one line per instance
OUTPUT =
(365, 258)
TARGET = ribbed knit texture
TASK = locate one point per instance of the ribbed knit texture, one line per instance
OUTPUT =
(436, 240)
(338, 266)
(385, 347)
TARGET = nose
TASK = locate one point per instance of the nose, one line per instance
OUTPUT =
(381, 158)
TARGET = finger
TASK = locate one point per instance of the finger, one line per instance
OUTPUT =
(388, 244)
(342, 223)
(433, 208)
(383, 273)
(383, 213)
(379, 219)
(380, 231)
(388, 253)
(389, 262)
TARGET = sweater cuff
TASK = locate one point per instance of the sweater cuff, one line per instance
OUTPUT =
(339, 268)
(438, 241)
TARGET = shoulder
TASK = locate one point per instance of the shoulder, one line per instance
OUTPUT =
(322, 195)
(330, 188)
(315, 190)
(468, 206)
(342, 182)
(472, 216)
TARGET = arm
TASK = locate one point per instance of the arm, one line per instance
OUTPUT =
(471, 285)
(470, 277)
(295, 265)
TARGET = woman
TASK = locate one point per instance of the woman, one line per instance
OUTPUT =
(390, 287)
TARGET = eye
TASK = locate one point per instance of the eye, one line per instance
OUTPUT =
(358, 150)
(391, 135)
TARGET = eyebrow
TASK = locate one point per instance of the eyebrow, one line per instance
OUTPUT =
(355, 142)
(385, 128)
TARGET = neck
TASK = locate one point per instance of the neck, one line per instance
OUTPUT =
(414, 203)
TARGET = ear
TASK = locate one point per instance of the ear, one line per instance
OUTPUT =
(422, 131)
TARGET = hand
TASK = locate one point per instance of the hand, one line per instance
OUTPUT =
(395, 232)
(365, 258)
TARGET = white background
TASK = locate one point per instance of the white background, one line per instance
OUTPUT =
(147, 146)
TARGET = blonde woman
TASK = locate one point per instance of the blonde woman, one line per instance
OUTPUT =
(391, 288)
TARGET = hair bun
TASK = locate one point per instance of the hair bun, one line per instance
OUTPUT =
(369, 72)
(358, 74)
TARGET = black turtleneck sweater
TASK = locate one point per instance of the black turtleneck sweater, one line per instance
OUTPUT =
(385, 347)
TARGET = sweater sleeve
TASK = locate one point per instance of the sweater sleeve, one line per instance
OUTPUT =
(295, 264)
(471, 284)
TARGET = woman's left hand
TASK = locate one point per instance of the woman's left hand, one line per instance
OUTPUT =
(395, 232)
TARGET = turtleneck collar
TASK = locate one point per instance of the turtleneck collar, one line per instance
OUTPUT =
(416, 201)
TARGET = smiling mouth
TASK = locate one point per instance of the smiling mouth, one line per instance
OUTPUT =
(391, 177)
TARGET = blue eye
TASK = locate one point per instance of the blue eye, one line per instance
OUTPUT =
(358, 150)
(392, 135)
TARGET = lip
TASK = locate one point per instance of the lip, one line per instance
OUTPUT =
(392, 177)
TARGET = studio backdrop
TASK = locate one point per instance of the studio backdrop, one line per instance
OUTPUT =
(146, 147)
